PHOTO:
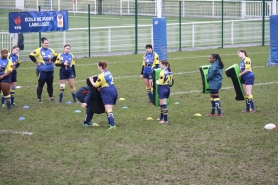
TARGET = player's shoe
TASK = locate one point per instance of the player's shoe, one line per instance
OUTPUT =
(251, 111)
(40, 100)
(51, 99)
(158, 119)
(162, 121)
(88, 124)
(14, 104)
(3, 105)
(211, 115)
(219, 116)
(111, 127)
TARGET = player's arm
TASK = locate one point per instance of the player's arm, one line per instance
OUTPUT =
(73, 65)
(73, 69)
(142, 70)
(156, 61)
(58, 62)
(143, 64)
(247, 65)
(55, 55)
(18, 63)
(9, 69)
(34, 54)
(160, 79)
(211, 72)
(98, 83)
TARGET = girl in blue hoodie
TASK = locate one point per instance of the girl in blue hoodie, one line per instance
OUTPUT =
(215, 83)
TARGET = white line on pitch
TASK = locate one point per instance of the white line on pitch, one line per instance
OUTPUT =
(15, 132)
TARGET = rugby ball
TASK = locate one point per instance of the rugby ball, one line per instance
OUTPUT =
(270, 126)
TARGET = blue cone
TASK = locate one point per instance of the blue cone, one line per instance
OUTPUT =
(21, 118)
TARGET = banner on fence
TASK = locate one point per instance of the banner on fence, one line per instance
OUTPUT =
(20, 22)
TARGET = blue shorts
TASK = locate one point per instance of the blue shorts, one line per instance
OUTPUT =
(163, 91)
(148, 76)
(43, 75)
(66, 73)
(14, 76)
(248, 81)
(7, 79)
(109, 95)
(214, 91)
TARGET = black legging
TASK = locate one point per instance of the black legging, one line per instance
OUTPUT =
(49, 83)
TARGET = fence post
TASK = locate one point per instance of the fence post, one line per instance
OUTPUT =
(180, 25)
(136, 28)
(263, 23)
(89, 30)
(222, 24)
(40, 34)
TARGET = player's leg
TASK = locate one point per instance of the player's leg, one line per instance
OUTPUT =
(250, 98)
(13, 85)
(164, 109)
(72, 89)
(247, 105)
(41, 83)
(12, 92)
(2, 100)
(62, 89)
(49, 83)
(89, 115)
(164, 93)
(5, 87)
(217, 102)
(212, 113)
(148, 84)
(110, 115)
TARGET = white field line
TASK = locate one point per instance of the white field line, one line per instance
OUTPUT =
(15, 132)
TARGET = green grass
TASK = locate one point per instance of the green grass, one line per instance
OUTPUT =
(188, 150)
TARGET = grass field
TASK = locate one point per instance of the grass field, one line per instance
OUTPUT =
(234, 149)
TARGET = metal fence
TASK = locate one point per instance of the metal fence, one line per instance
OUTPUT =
(190, 8)
(122, 39)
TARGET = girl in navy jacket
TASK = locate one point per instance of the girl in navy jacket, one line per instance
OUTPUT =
(215, 83)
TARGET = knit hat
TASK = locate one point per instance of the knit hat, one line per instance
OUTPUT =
(149, 46)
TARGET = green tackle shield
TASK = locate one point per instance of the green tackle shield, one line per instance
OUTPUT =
(233, 72)
(155, 101)
(204, 74)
